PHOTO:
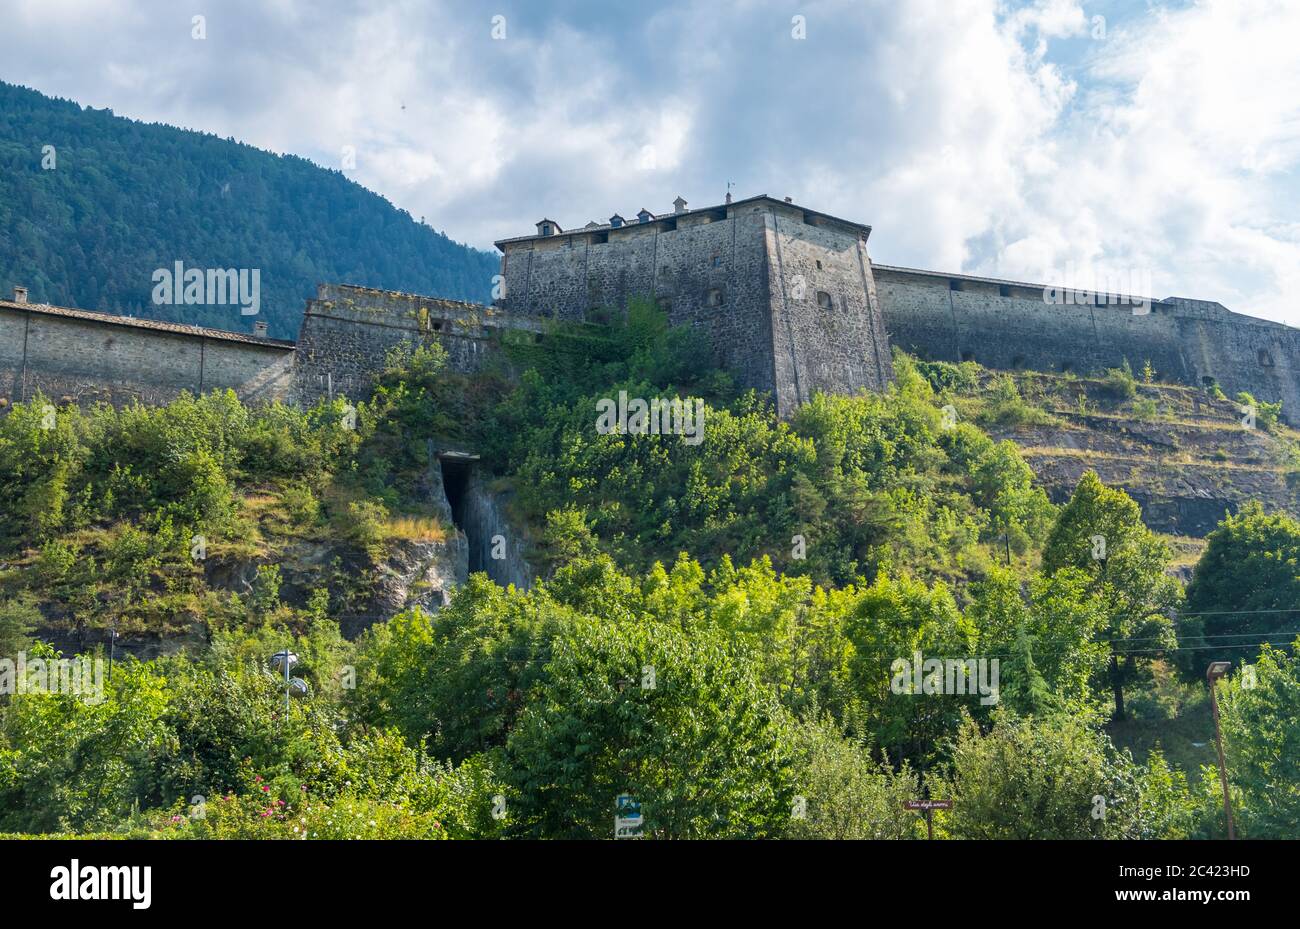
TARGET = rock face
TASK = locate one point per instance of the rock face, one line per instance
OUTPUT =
(419, 574)
(489, 533)
(1187, 467)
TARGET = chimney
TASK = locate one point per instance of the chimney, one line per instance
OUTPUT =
(679, 205)
(20, 295)
(259, 328)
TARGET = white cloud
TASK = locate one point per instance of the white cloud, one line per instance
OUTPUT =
(980, 136)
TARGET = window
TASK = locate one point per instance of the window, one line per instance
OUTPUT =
(824, 300)
(717, 261)
(967, 356)
(819, 264)
(1265, 358)
(1004, 290)
(599, 238)
(954, 284)
(716, 297)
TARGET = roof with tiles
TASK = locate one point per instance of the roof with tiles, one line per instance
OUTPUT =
(111, 319)
(590, 228)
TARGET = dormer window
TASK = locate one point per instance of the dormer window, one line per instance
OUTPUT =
(548, 227)
(616, 221)
(644, 216)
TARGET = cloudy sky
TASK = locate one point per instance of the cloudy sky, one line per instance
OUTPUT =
(1045, 141)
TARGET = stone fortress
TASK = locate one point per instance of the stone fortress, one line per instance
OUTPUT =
(787, 298)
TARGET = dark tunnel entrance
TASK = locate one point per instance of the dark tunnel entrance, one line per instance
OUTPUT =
(455, 484)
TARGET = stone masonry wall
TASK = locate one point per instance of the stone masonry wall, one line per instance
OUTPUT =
(86, 357)
(710, 273)
(744, 277)
(1011, 326)
(348, 331)
(839, 349)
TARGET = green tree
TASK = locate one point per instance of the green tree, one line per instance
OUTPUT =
(1056, 777)
(843, 793)
(1245, 589)
(1100, 533)
(1261, 733)
(674, 720)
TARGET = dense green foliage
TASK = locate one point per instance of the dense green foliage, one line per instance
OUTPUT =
(850, 486)
(1100, 532)
(1246, 590)
(125, 198)
(679, 646)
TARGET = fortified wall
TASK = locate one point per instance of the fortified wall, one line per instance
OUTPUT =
(1009, 325)
(785, 297)
(78, 356)
(348, 331)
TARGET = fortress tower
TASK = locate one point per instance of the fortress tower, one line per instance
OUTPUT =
(784, 296)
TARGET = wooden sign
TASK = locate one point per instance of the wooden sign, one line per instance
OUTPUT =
(927, 805)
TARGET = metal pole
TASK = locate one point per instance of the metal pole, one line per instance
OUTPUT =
(286, 686)
(929, 823)
(1223, 764)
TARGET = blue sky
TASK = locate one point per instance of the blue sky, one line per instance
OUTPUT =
(1047, 141)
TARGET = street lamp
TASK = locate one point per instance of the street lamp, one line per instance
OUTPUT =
(112, 643)
(1217, 670)
(283, 661)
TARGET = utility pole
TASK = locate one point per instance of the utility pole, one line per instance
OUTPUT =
(1217, 670)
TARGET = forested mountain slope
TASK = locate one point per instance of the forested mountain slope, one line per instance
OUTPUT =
(123, 198)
